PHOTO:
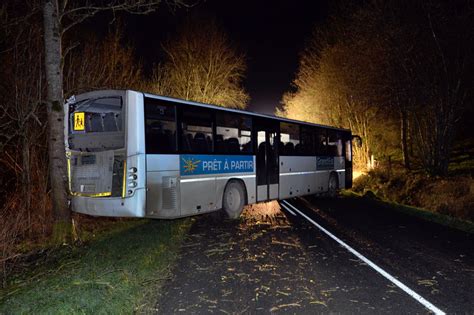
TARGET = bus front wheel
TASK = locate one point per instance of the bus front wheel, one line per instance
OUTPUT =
(233, 199)
(333, 186)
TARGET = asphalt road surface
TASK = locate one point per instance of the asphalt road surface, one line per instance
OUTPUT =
(278, 259)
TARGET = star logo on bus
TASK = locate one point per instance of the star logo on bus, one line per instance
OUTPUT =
(190, 165)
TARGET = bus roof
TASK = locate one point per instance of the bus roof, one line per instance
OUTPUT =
(240, 111)
(101, 93)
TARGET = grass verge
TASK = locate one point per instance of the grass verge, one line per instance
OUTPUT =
(113, 274)
(462, 225)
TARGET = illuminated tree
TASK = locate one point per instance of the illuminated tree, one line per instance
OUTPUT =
(201, 65)
(337, 83)
(391, 66)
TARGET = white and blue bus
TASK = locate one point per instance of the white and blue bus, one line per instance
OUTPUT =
(133, 154)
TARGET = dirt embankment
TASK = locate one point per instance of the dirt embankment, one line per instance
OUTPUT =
(452, 196)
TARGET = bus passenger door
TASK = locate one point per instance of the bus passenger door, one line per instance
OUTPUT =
(267, 160)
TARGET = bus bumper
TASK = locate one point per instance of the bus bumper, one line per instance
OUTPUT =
(133, 206)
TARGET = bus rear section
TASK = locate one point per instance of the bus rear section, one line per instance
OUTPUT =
(106, 171)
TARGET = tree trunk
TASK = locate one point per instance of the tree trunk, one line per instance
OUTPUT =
(57, 156)
(26, 177)
(446, 140)
(404, 138)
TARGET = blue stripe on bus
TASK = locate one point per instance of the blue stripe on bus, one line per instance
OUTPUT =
(198, 164)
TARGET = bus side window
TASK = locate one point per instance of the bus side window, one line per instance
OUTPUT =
(348, 150)
(233, 133)
(321, 143)
(160, 126)
(290, 139)
(307, 140)
(335, 146)
(196, 130)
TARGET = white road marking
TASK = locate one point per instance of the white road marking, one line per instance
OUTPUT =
(392, 279)
(288, 209)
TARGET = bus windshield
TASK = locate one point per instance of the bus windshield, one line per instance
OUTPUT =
(96, 125)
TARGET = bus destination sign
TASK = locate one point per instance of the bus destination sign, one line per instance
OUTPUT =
(192, 164)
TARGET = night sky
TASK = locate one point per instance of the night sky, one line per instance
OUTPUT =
(270, 33)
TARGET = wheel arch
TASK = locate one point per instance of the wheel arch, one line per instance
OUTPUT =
(241, 182)
(336, 175)
(220, 191)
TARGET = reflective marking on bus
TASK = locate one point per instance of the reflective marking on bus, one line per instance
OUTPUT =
(302, 173)
(309, 172)
(124, 180)
(202, 179)
(69, 173)
(238, 176)
(382, 272)
(102, 194)
(190, 180)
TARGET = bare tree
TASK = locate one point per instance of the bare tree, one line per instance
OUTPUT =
(430, 48)
(448, 72)
(23, 173)
(389, 63)
(202, 65)
(22, 91)
(102, 64)
(60, 16)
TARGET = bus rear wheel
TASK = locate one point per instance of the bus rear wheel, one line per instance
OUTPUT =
(333, 186)
(233, 199)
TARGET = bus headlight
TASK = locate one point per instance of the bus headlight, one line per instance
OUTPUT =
(133, 177)
(132, 169)
(132, 184)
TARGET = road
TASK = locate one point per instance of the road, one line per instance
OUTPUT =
(276, 259)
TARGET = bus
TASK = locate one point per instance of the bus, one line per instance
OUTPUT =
(134, 154)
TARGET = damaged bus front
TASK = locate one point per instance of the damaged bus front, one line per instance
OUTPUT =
(106, 170)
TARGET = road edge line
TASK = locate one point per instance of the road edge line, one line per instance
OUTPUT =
(382, 272)
(288, 209)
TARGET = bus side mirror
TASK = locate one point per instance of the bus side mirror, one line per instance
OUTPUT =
(359, 140)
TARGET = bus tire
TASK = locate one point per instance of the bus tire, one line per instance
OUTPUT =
(333, 185)
(233, 200)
